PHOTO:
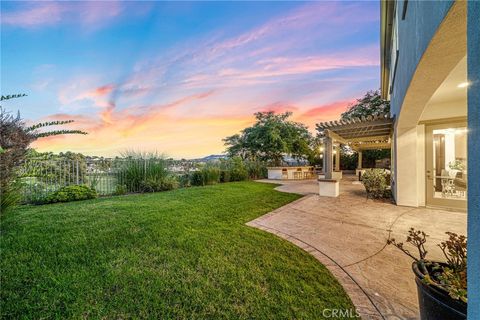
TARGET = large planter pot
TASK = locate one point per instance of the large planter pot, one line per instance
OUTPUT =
(435, 303)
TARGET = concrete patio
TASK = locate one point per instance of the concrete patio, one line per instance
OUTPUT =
(348, 235)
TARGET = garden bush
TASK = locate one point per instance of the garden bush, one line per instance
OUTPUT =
(156, 185)
(143, 173)
(238, 170)
(9, 197)
(256, 170)
(235, 169)
(377, 183)
(184, 180)
(71, 193)
(196, 178)
(224, 176)
(120, 189)
(205, 176)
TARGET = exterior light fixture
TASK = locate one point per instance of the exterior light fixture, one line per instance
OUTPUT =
(463, 85)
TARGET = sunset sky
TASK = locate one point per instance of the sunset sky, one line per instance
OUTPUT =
(177, 77)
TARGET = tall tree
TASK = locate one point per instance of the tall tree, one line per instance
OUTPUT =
(270, 138)
(15, 139)
(371, 103)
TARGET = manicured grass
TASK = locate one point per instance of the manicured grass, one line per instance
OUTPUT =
(183, 254)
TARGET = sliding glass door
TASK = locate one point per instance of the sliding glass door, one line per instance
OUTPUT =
(446, 165)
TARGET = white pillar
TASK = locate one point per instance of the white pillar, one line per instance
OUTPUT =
(323, 160)
(359, 165)
(406, 162)
(328, 158)
(337, 158)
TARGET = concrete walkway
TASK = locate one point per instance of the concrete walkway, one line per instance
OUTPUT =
(348, 235)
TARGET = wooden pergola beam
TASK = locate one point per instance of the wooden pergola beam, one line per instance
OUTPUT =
(335, 137)
(372, 146)
(372, 138)
(361, 124)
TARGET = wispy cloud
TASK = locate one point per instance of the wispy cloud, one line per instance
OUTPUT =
(87, 14)
(184, 99)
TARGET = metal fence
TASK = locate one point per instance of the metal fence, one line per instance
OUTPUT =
(41, 177)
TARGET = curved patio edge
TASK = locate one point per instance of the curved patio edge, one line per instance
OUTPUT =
(362, 302)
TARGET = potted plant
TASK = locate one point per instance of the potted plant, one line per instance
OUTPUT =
(441, 286)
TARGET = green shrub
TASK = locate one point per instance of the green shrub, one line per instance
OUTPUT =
(224, 176)
(256, 170)
(377, 183)
(10, 196)
(205, 176)
(71, 193)
(184, 180)
(348, 161)
(163, 184)
(233, 169)
(142, 174)
(212, 175)
(120, 189)
(170, 183)
(238, 170)
(196, 178)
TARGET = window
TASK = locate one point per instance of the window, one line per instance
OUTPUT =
(394, 53)
(404, 12)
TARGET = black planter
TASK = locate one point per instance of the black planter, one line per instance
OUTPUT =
(435, 303)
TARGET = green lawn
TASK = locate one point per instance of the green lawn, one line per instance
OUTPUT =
(182, 254)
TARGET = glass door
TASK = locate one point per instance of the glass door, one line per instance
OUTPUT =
(446, 165)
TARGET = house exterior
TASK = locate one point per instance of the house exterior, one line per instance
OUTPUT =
(430, 64)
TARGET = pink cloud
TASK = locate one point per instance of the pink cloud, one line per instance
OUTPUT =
(329, 111)
(79, 90)
(278, 107)
(186, 99)
(47, 13)
(158, 127)
(90, 14)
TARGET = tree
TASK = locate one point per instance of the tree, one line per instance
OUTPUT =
(371, 103)
(15, 139)
(270, 138)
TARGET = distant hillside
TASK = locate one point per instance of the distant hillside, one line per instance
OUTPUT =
(211, 157)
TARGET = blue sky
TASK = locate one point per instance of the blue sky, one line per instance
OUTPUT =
(177, 77)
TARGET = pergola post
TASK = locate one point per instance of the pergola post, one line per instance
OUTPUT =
(337, 158)
(359, 165)
(323, 160)
(328, 158)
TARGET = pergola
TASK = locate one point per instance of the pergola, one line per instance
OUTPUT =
(365, 133)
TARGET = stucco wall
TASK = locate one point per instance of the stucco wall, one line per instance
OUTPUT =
(449, 109)
(414, 34)
(473, 36)
(432, 42)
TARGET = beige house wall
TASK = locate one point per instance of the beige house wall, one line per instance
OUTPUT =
(444, 54)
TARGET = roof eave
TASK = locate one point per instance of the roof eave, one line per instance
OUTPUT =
(386, 23)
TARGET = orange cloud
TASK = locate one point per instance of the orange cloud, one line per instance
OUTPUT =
(278, 107)
(325, 112)
(156, 127)
(103, 90)
(185, 137)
